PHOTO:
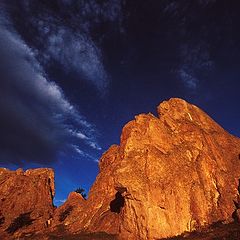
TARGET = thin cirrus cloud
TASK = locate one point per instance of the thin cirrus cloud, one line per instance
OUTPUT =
(193, 47)
(90, 142)
(38, 123)
(60, 201)
(64, 32)
(35, 113)
(194, 59)
(76, 52)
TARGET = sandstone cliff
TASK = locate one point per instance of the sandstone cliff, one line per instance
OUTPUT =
(170, 174)
(25, 201)
(173, 173)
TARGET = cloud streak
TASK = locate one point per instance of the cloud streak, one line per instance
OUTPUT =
(65, 32)
(37, 121)
(195, 59)
(35, 113)
(193, 47)
(76, 52)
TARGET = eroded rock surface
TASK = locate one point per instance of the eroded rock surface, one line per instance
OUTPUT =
(173, 173)
(25, 201)
(180, 170)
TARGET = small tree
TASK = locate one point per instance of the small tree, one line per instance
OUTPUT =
(82, 192)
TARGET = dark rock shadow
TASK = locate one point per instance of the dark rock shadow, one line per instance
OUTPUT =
(118, 203)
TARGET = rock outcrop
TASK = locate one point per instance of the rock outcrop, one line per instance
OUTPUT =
(171, 174)
(25, 201)
(69, 211)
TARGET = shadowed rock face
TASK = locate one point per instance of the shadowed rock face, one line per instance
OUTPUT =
(25, 201)
(173, 173)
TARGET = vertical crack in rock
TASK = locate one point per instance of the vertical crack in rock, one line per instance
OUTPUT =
(50, 188)
(236, 213)
(217, 194)
(2, 219)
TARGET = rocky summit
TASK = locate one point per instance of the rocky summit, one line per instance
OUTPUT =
(173, 173)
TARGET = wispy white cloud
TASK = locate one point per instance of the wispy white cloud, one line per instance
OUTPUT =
(47, 122)
(66, 36)
(84, 154)
(193, 49)
(60, 200)
(81, 135)
(89, 140)
(94, 145)
(187, 76)
(75, 51)
(195, 59)
(34, 109)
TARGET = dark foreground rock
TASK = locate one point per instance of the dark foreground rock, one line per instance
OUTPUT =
(217, 231)
(175, 173)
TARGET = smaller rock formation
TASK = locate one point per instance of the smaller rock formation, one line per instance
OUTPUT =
(25, 201)
(68, 212)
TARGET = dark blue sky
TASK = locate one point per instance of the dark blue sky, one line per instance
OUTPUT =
(72, 73)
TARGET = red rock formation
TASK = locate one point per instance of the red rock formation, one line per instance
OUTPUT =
(180, 170)
(94, 214)
(170, 174)
(173, 173)
(70, 209)
(25, 201)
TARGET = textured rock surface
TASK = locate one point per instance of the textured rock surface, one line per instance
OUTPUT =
(25, 201)
(69, 211)
(94, 214)
(170, 174)
(180, 170)
(173, 173)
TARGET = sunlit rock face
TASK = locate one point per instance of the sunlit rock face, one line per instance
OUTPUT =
(25, 201)
(180, 171)
(69, 211)
(96, 214)
(172, 173)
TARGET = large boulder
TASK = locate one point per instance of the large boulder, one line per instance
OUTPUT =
(170, 174)
(25, 201)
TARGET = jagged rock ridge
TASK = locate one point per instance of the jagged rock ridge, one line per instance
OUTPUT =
(173, 173)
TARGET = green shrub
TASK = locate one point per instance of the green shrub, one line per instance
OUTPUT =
(82, 192)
